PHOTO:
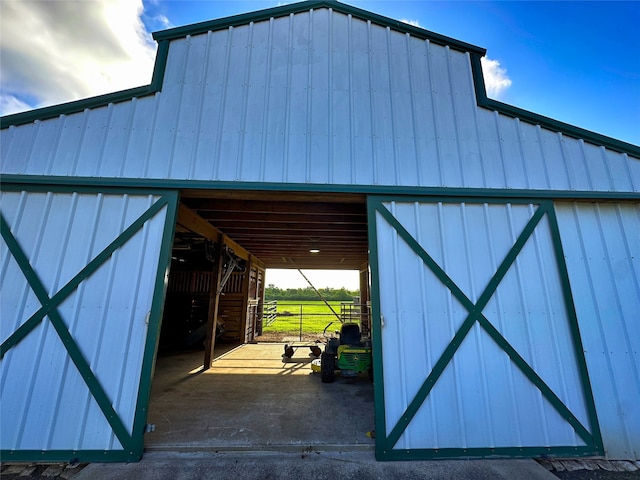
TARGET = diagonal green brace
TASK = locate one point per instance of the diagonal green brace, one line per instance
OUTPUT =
(48, 304)
(474, 310)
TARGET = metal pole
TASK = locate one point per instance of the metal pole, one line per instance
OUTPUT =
(300, 337)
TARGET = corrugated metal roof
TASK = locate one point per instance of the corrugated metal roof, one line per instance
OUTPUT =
(316, 97)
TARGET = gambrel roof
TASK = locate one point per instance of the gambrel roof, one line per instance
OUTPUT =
(321, 93)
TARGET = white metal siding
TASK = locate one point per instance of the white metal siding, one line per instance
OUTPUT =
(482, 400)
(316, 97)
(602, 249)
(46, 404)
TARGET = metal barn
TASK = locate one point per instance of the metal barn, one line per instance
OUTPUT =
(502, 247)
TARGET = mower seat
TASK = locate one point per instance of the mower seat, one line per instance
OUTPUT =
(350, 334)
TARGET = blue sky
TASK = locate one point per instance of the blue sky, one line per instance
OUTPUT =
(577, 62)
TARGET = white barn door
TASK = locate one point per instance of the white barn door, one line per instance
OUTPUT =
(82, 285)
(476, 345)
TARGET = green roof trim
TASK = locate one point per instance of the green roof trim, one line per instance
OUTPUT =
(164, 37)
(546, 122)
(284, 10)
(98, 101)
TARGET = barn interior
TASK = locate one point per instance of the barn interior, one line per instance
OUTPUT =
(214, 385)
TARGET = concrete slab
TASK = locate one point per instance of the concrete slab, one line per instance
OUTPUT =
(316, 465)
(251, 398)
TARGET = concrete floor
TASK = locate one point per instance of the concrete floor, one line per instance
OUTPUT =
(250, 399)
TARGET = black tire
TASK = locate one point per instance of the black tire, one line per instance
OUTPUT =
(327, 367)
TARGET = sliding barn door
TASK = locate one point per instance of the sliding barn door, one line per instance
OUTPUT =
(82, 285)
(477, 351)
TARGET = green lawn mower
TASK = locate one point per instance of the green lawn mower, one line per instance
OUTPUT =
(348, 353)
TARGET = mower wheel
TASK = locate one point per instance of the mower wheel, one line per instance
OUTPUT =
(288, 351)
(316, 351)
(327, 367)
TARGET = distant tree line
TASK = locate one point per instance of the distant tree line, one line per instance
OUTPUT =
(298, 294)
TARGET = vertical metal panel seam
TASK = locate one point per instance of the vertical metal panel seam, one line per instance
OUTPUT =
(565, 161)
(152, 133)
(352, 132)
(265, 110)
(545, 166)
(374, 152)
(503, 160)
(394, 141)
(217, 160)
(53, 153)
(330, 136)
(103, 141)
(82, 134)
(605, 162)
(128, 131)
(436, 139)
(585, 163)
(456, 126)
(37, 126)
(522, 159)
(245, 102)
(287, 103)
(626, 163)
(309, 119)
(204, 78)
(175, 116)
(412, 102)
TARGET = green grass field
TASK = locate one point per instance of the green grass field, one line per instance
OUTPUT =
(315, 317)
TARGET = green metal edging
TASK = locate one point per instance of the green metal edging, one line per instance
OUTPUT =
(132, 445)
(385, 444)
(155, 323)
(97, 101)
(44, 183)
(546, 122)
(298, 7)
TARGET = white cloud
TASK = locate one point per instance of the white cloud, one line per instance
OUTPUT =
(58, 51)
(495, 78)
(10, 104)
(415, 23)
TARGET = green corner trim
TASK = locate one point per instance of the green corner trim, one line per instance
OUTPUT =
(546, 122)
(95, 102)
(132, 443)
(385, 446)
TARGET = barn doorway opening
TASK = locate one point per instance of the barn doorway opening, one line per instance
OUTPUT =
(216, 385)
